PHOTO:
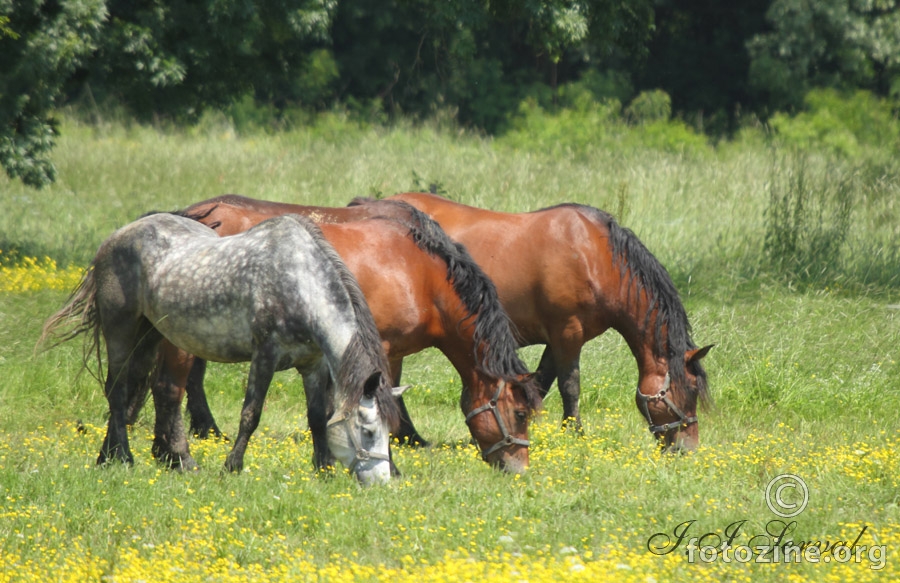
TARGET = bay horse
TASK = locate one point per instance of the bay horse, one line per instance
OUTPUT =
(277, 296)
(424, 291)
(565, 275)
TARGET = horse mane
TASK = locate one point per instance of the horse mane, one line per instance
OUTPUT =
(199, 216)
(641, 270)
(364, 200)
(365, 351)
(493, 329)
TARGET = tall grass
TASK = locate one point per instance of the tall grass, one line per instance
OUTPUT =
(804, 379)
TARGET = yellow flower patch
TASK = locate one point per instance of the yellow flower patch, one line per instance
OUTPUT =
(32, 274)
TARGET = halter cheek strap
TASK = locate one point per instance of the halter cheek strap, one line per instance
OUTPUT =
(362, 454)
(662, 395)
(491, 406)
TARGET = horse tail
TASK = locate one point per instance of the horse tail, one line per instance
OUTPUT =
(493, 328)
(79, 315)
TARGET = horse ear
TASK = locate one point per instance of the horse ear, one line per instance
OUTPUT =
(371, 385)
(697, 353)
(526, 378)
(397, 391)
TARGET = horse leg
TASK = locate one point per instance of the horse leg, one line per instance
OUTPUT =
(546, 372)
(115, 444)
(406, 432)
(567, 358)
(202, 421)
(169, 443)
(136, 399)
(262, 369)
(130, 365)
(317, 386)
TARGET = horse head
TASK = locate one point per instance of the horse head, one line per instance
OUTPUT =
(498, 420)
(669, 402)
(359, 436)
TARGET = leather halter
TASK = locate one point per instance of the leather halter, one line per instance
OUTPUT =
(507, 439)
(362, 454)
(660, 430)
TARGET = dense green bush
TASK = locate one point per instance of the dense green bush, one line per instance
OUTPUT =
(586, 123)
(853, 125)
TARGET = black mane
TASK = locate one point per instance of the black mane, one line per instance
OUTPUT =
(641, 270)
(198, 216)
(494, 331)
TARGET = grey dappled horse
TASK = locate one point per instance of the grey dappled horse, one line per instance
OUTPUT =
(278, 296)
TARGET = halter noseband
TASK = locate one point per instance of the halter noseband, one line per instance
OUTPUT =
(362, 454)
(507, 439)
(660, 430)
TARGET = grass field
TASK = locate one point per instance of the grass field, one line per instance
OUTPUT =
(804, 376)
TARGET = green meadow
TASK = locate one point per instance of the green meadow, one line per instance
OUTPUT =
(789, 262)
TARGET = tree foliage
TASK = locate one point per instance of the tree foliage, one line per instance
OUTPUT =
(476, 61)
(178, 58)
(841, 44)
(479, 58)
(698, 55)
(41, 45)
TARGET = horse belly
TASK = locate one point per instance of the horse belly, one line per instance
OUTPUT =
(215, 338)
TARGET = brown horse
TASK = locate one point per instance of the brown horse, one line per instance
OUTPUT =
(424, 291)
(568, 273)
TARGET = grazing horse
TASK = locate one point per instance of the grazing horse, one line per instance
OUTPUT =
(565, 275)
(424, 291)
(277, 296)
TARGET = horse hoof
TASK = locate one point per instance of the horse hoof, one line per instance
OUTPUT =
(105, 460)
(203, 431)
(178, 463)
(572, 424)
(233, 465)
(187, 465)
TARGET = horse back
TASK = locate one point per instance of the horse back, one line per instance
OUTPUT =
(230, 214)
(552, 267)
(412, 302)
(218, 297)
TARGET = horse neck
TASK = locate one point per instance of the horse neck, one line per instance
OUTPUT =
(637, 329)
(465, 356)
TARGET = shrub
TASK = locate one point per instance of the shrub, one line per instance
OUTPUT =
(851, 125)
(650, 107)
(808, 219)
(587, 123)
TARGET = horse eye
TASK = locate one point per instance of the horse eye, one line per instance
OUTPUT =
(521, 416)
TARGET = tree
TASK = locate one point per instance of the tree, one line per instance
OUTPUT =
(480, 58)
(41, 44)
(840, 44)
(698, 55)
(163, 57)
(175, 59)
